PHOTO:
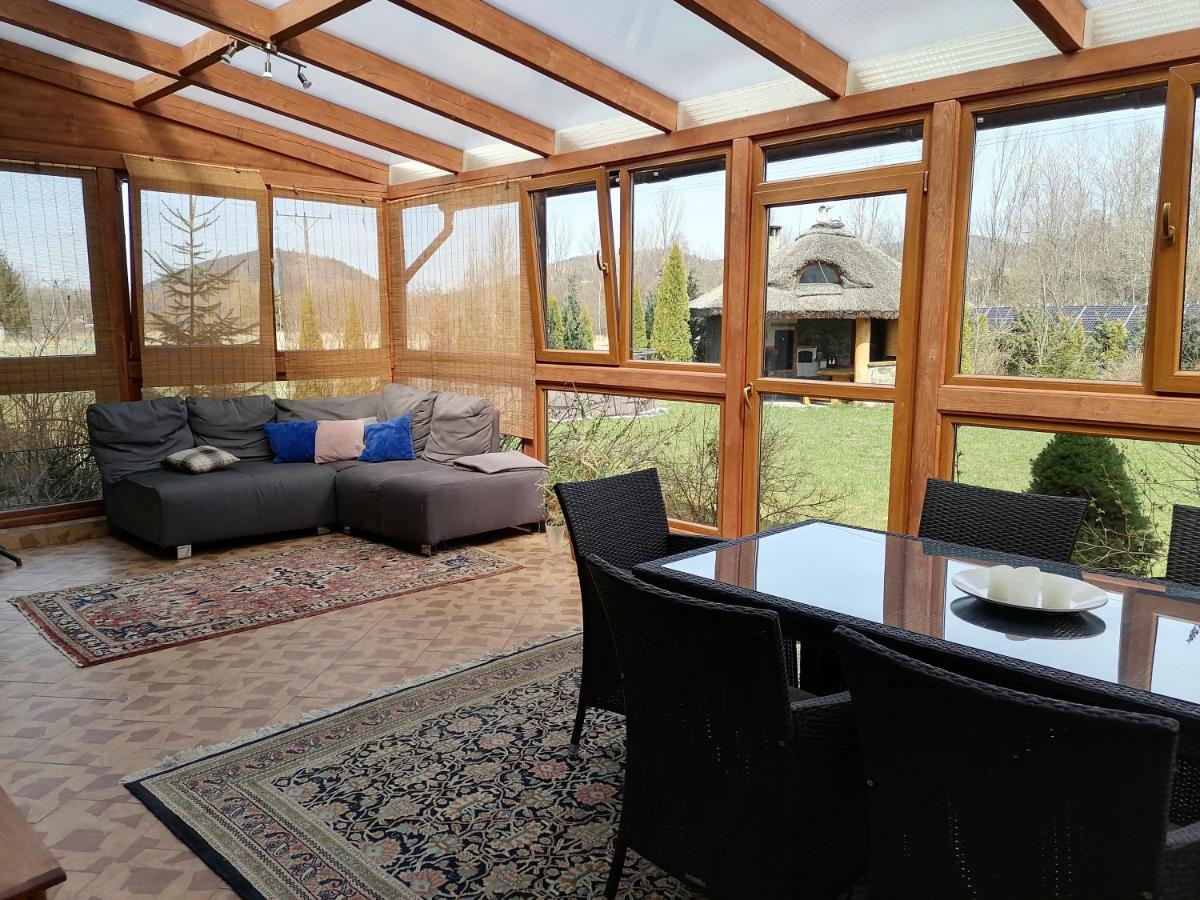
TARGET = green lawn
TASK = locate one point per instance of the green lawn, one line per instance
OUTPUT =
(838, 457)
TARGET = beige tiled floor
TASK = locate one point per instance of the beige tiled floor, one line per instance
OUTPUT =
(68, 735)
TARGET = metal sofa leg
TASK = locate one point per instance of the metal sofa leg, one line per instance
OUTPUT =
(183, 551)
(615, 871)
(427, 549)
(322, 529)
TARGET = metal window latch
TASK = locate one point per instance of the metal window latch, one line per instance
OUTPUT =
(1168, 230)
(600, 263)
(746, 391)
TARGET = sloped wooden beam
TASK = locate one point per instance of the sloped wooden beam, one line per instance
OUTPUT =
(298, 16)
(522, 43)
(119, 91)
(292, 29)
(167, 61)
(203, 52)
(773, 37)
(1062, 21)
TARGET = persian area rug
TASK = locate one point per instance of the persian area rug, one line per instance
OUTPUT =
(102, 622)
(463, 785)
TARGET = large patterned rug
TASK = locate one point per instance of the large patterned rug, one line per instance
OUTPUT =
(101, 622)
(463, 785)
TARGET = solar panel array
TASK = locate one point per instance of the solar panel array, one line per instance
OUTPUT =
(1131, 315)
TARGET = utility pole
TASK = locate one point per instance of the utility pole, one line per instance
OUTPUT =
(306, 222)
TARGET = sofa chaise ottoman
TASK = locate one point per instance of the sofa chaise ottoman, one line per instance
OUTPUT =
(424, 501)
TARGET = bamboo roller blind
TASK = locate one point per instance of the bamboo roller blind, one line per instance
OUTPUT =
(460, 309)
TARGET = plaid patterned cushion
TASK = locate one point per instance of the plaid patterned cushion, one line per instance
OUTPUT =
(201, 459)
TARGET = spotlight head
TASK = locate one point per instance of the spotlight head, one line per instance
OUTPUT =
(231, 51)
(266, 72)
(305, 82)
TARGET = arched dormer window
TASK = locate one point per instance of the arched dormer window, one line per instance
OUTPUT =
(819, 273)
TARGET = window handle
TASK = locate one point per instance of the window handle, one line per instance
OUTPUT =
(746, 392)
(1168, 230)
(601, 264)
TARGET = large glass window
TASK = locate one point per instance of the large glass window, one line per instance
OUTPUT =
(833, 286)
(1190, 350)
(572, 262)
(845, 153)
(596, 435)
(678, 262)
(1131, 485)
(1060, 238)
(824, 459)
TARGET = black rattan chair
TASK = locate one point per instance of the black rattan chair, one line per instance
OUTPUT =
(977, 791)
(1024, 524)
(623, 520)
(1183, 554)
(730, 785)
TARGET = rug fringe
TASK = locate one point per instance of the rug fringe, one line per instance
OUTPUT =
(196, 753)
(38, 626)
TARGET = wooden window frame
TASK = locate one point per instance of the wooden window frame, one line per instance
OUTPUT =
(625, 294)
(961, 215)
(534, 265)
(840, 129)
(906, 178)
(1165, 330)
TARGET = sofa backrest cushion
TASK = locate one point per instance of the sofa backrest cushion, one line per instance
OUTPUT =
(234, 425)
(365, 407)
(461, 426)
(399, 399)
(137, 436)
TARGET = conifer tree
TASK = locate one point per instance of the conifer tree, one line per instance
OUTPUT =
(671, 337)
(577, 327)
(354, 336)
(555, 332)
(637, 314)
(14, 302)
(197, 289)
(310, 325)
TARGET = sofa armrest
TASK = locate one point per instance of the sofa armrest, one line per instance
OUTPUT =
(681, 543)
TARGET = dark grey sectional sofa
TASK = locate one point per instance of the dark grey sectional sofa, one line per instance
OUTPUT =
(424, 501)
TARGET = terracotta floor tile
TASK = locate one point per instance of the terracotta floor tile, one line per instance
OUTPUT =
(69, 735)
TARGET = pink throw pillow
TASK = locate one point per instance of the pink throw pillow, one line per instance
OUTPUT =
(338, 439)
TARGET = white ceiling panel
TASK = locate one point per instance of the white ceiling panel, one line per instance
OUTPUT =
(142, 17)
(338, 89)
(284, 123)
(69, 52)
(656, 42)
(384, 28)
(864, 29)
(1112, 21)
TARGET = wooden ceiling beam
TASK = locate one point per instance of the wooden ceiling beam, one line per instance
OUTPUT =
(94, 83)
(292, 28)
(166, 61)
(773, 37)
(203, 52)
(522, 43)
(298, 16)
(1062, 21)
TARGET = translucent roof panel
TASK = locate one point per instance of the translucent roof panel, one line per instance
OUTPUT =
(284, 123)
(862, 29)
(142, 17)
(338, 89)
(69, 52)
(656, 42)
(1112, 21)
(384, 28)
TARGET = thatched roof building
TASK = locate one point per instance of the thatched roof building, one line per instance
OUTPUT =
(826, 273)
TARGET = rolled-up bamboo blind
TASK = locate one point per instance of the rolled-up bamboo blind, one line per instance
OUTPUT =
(460, 312)
(202, 282)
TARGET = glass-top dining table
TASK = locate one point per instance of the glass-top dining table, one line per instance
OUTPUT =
(1139, 651)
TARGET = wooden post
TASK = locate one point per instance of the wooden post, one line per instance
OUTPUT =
(862, 351)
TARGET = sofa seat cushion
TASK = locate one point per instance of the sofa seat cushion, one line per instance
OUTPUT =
(171, 508)
(419, 502)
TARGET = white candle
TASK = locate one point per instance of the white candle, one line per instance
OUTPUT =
(1057, 591)
(1026, 585)
(999, 582)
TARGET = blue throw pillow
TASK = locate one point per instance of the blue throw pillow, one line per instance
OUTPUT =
(292, 441)
(388, 440)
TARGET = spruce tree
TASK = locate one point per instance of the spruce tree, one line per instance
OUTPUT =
(197, 289)
(1117, 532)
(637, 314)
(14, 302)
(577, 328)
(671, 336)
(555, 331)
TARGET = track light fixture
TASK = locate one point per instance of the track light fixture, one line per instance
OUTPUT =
(305, 82)
(231, 51)
(266, 72)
